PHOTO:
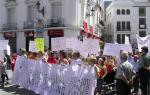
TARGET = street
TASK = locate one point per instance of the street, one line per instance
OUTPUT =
(12, 90)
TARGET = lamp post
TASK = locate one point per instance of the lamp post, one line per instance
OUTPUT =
(39, 23)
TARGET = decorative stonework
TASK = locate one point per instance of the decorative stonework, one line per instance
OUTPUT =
(10, 3)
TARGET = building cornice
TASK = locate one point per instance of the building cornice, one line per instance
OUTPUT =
(31, 2)
(10, 4)
(141, 4)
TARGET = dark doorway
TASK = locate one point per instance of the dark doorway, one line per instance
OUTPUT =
(28, 39)
(12, 41)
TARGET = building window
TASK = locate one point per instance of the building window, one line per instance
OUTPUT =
(118, 26)
(142, 11)
(118, 12)
(123, 11)
(142, 23)
(121, 38)
(123, 26)
(128, 26)
(128, 12)
(118, 39)
(142, 33)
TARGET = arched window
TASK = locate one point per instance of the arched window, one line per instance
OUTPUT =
(123, 11)
(118, 12)
(128, 12)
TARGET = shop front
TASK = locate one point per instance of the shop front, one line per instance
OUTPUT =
(12, 40)
(53, 33)
(29, 35)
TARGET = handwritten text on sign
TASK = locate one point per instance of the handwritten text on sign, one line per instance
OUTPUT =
(48, 79)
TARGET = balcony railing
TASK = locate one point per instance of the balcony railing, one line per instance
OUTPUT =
(55, 23)
(29, 25)
(9, 26)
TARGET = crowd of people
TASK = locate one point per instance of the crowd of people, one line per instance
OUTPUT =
(129, 70)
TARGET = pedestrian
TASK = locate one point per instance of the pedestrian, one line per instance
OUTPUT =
(3, 68)
(110, 65)
(13, 61)
(63, 58)
(77, 58)
(136, 78)
(144, 70)
(130, 57)
(51, 58)
(69, 57)
(101, 72)
(6, 63)
(124, 75)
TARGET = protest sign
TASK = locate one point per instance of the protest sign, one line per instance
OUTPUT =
(88, 46)
(32, 46)
(58, 44)
(48, 79)
(127, 41)
(114, 49)
(143, 41)
(39, 44)
(3, 44)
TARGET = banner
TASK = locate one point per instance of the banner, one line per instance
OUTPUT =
(39, 44)
(143, 41)
(114, 49)
(46, 79)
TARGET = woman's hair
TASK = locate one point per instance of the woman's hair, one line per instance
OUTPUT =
(63, 54)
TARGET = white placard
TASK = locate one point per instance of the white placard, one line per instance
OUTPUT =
(3, 44)
(114, 49)
(58, 44)
(127, 41)
(32, 46)
(143, 41)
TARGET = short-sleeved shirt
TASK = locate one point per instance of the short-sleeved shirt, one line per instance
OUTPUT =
(125, 69)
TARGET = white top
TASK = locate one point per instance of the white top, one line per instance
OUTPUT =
(135, 66)
(77, 61)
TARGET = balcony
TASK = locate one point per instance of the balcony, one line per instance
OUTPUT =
(9, 26)
(55, 23)
(29, 25)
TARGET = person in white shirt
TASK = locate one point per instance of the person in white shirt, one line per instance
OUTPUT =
(76, 58)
